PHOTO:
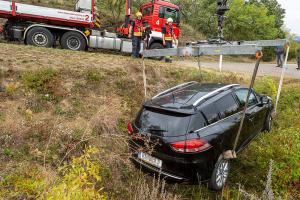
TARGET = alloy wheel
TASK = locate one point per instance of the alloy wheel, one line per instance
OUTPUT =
(222, 173)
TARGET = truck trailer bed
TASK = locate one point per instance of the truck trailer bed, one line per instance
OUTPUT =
(25, 12)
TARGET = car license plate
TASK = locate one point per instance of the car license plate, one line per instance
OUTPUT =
(150, 159)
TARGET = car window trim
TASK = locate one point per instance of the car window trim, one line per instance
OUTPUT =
(252, 91)
(224, 119)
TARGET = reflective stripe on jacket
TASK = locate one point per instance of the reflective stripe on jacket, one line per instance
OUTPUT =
(168, 32)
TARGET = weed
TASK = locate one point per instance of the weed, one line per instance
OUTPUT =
(28, 114)
(36, 104)
(25, 183)
(69, 112)
(8, 152)
(122, 125)
(77, 134)
(40, 80)
(58, 110)
(2, 117)
(94, 75)
(81, 179)
(11, 88)
(77, 105)
(267, 86)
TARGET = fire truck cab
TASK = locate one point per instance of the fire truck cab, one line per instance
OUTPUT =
(156, 16)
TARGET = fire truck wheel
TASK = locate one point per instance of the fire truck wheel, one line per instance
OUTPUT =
(40, 36)
(157, 45)
(73, 40)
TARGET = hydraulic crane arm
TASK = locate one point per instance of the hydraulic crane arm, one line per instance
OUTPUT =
(128, 7)
(222, 8)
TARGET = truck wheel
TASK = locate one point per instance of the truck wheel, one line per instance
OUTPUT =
(40, 36)
(73, 40)
(157, 46)
(220, 174)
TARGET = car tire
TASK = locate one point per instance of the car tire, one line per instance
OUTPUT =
(157, 45)
(40, 37)
(73, 41)
(220, 174)
(268, 123)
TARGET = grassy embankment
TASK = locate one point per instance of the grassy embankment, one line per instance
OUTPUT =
(63, 122)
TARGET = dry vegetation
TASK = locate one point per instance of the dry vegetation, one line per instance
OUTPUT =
(63, 119)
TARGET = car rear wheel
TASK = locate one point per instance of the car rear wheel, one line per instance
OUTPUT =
(220, 174)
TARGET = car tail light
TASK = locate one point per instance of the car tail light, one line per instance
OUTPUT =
(191, 146)
(130, 128)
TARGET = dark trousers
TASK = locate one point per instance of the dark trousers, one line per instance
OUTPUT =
(280, 60)
(136, 46)
(298, 62)
(169, 44)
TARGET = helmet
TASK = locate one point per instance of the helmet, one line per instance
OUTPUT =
(138, 14)
(170, 20)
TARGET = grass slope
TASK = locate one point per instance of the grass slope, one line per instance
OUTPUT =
(63, 119)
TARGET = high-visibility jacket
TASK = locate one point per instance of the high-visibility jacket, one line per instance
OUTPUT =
(138, 28)
(168, 32)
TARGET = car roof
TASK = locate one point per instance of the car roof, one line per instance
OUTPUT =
(188, 95)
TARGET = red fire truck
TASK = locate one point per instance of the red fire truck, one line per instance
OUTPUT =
(77, 30)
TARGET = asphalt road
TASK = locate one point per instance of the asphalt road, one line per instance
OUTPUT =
(264, 68)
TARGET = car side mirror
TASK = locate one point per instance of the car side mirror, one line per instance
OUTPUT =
(264, 100)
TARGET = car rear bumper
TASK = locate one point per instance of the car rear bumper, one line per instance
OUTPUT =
(177, 171)
(190, 167)
(157, 171)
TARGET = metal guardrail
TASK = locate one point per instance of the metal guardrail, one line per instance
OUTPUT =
(247, 49)
(229, 48)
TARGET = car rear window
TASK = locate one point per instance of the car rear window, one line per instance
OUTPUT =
(162, 123)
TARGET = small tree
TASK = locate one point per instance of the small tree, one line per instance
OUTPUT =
(249, 22)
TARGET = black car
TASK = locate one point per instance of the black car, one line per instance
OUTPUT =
(182, 132)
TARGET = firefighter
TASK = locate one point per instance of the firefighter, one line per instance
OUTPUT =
(279, 52)
(136, 33)
(168, 36)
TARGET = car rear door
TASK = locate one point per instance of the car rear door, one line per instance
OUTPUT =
(230, 116)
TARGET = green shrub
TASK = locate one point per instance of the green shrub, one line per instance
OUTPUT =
(81, 180)
(25, 183)
(267, 86)
(40, 81)
(269, 54)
